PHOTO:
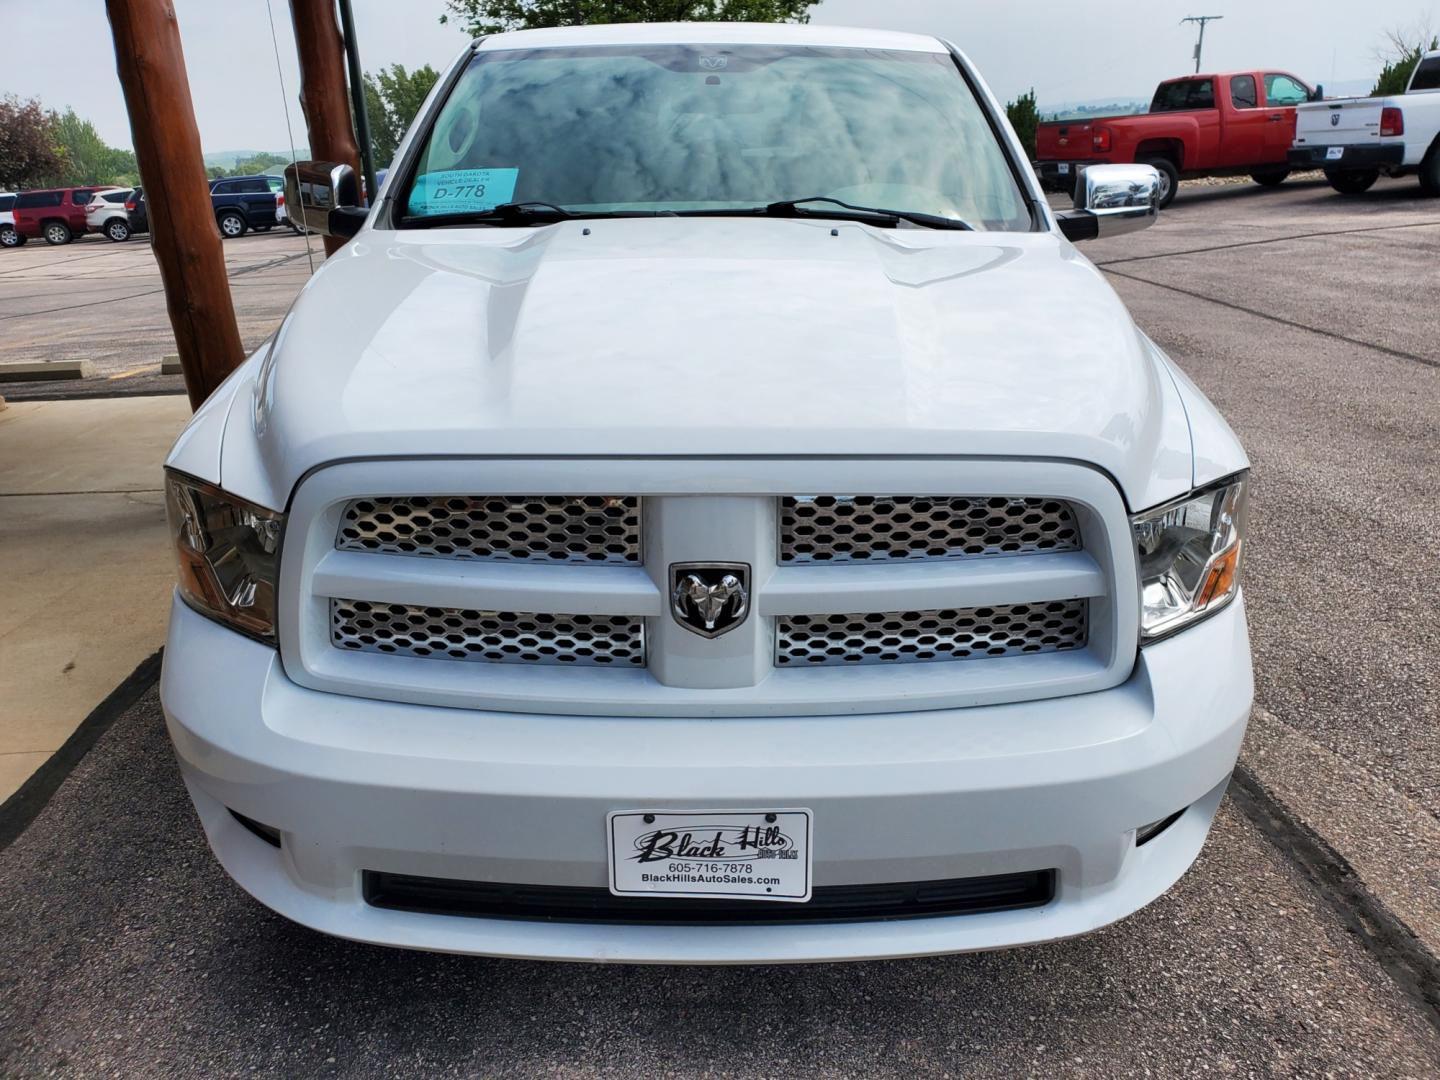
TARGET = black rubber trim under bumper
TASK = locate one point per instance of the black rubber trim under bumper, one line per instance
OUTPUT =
(1354, 157)
(839, 903)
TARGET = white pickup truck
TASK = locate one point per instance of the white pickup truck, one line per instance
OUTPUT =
(1356, 139)
(708, 511)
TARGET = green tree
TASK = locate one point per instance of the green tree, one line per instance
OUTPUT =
(29, 153)
(1024, 118)
(85, 158)
(392, 98)
(1402, 52)
(478, 17)
(263, 162)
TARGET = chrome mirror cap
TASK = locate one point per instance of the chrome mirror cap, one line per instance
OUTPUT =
(313, 189)
(1111, 200)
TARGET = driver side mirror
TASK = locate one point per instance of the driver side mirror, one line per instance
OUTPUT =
(1111, 200)
(324, 197)
(1318, 94)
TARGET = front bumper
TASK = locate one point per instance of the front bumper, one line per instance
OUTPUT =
(355, 784)
(1351, 157)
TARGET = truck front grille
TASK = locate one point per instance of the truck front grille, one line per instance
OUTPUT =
(497, 637)
(909, 637)
(537, 528)
(1018, 584)
(879, 528)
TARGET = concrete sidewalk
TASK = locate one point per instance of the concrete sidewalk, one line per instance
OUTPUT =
(85, 566)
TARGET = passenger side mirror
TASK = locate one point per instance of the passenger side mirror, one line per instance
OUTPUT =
(324, 197)
(1111, 200)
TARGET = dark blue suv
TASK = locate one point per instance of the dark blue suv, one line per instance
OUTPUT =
(243, 203)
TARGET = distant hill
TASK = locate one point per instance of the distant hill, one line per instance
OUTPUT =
(1079, 110)
(226, 159)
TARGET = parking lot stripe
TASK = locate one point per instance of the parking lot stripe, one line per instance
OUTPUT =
(1268, 240)
(133, 371)
(69, 307)
(1415, 970)
(1399, 354)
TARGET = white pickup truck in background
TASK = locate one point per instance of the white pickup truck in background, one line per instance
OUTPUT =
(1356, 139)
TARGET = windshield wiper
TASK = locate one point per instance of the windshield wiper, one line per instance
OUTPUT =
(511, 214)
(795, 208)
(536, 212)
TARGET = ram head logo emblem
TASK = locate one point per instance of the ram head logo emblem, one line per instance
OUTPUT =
(709, 599)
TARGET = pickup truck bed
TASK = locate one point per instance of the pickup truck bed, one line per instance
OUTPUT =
(1356, 139)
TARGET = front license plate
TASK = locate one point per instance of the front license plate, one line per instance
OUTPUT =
(734, 854)
(1064, 168)
(1334, 153)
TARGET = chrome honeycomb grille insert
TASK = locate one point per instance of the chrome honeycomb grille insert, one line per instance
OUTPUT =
(534, 528)
(880, 528)
(497, 637)
(909, 637)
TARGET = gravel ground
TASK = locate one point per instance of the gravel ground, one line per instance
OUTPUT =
(128, 951)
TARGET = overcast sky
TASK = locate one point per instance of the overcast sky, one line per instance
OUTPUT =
(1068, 51)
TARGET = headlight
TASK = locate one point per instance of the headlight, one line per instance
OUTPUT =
(1189, 554)
(227, 552)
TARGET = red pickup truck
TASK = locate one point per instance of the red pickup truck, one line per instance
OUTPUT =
(1201, 125)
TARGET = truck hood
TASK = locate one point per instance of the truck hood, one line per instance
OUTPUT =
(710, 336)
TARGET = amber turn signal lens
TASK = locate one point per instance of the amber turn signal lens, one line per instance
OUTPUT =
(1220, 582)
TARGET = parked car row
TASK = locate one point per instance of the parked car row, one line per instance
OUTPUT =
(1260, 123)
(59, 215)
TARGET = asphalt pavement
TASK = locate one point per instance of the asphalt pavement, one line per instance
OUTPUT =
(1303, 943)
(129, 952)
(104, 302)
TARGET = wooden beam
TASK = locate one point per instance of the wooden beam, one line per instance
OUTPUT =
(186, 241)
(323, 93)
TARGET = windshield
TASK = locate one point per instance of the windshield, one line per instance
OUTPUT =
(1427, 75)
(678, 128)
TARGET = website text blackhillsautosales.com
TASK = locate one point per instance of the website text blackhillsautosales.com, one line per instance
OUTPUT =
(678, 873)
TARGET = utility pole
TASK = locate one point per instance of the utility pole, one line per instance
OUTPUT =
(1200, 42)
(151, 66)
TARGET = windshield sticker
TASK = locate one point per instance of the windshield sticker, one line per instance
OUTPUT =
(461, 191)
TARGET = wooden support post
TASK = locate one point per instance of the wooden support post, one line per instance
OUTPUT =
(186, 241)
(323, 93)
